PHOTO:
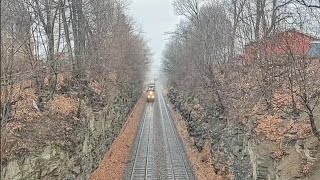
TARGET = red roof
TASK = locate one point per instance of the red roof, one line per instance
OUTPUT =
(291, 42)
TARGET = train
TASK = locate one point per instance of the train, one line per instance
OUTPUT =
(151, 92)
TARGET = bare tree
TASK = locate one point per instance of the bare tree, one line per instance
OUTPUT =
(310, 3)
(188, 8)
(92, 40)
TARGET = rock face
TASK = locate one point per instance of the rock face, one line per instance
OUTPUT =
(239, 152)
(85, 150)
(208, 125)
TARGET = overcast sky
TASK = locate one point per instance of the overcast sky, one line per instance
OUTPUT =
(155, 17)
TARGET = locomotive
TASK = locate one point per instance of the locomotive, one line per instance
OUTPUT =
(151, 92)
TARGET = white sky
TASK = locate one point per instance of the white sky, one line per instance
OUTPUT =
(155, 17)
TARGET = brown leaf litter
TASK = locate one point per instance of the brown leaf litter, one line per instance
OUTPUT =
(114, 164)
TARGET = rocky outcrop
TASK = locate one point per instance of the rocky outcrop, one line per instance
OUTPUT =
(238, 151)
(78, 156)
(207, 125)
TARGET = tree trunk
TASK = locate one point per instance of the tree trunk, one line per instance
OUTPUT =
(78, 26)
(66, 31)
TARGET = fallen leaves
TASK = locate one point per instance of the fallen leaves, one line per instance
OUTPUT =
(274, 128)
(201, 162)
(33, 124)
(117, 158)
(95, 86)
(63, 105)
(278, 154)
(307, 168)
(24, 109)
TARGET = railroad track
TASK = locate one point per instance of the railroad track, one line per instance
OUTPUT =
(144, 161)
(178, 165)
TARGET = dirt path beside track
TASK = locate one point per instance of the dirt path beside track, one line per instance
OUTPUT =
(114, 164)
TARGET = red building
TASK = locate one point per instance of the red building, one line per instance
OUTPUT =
(287, 43)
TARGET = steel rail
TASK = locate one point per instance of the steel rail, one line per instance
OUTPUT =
(140, 169)
(167, 147)
(182, 169)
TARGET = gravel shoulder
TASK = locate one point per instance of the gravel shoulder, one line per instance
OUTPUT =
(114, 164)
